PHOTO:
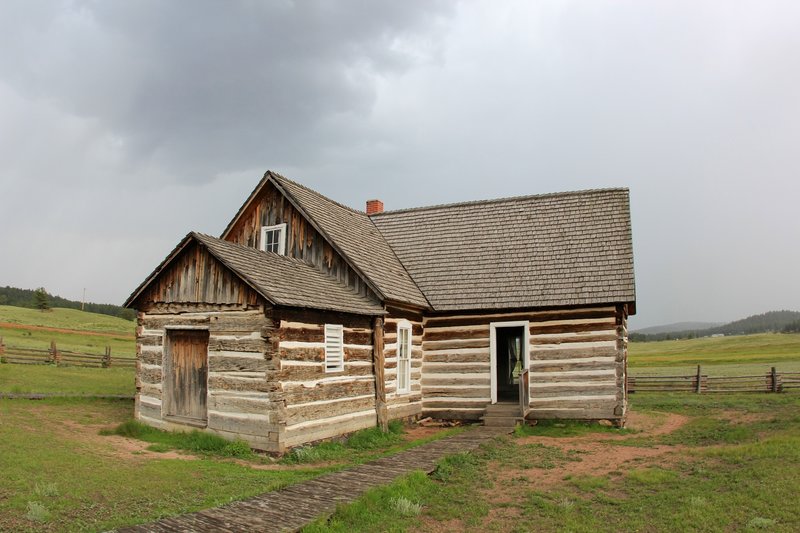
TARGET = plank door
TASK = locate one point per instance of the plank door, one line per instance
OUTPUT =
(186, 377)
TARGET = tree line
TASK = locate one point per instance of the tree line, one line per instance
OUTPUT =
(770, 322)
(41, 299)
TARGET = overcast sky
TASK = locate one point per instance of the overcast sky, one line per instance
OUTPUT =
(124, 125)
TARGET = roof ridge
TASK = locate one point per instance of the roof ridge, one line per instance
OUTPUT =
(309, 189)
(503, 199)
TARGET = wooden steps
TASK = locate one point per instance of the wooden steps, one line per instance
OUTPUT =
(502, 415)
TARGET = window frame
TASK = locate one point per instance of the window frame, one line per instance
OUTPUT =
(334, 355)
(281, 238)
(404, 325)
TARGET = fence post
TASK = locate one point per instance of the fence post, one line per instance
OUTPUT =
(54, 354)
(107, 358)
(2, 346)
(699, 380)
(774, 376)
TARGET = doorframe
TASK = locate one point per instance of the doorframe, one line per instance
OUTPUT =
(166, 373)
(526, 344)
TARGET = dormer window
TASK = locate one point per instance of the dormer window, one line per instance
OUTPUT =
(273, 239)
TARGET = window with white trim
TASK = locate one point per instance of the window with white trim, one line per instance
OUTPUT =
(404, 357)
(273, 239)
(334, 348)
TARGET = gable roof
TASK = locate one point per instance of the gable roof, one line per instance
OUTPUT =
(354, 237)
(534, 251)
(281, 280)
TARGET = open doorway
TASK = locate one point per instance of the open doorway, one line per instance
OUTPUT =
(510, 362)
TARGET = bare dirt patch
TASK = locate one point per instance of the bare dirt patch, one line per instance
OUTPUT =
(420, 432)
(597, 453)
(738, 417)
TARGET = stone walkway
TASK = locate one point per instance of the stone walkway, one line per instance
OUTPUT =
(293, 507)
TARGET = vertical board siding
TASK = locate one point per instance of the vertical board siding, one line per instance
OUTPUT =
(318, 404)
(408, 404)
(304, 242)
(196, 276)
(240, 401)
(577, 363)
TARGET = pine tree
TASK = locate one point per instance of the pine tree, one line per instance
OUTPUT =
(41, 299)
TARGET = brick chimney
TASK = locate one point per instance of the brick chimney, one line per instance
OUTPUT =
(374, 207)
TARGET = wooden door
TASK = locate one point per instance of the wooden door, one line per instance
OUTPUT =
(187, 375)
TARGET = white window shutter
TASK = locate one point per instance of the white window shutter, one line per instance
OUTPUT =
(334, 348)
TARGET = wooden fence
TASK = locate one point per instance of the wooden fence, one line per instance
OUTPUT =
(772, 381)
(53, 355)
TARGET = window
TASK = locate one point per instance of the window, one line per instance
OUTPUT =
(334, 348)
(273, 239)
(403, 357)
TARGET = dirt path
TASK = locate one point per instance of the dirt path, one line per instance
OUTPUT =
(12, 325)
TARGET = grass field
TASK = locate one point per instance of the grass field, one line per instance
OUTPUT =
(114, 332)
(768, 349)
(66, 380)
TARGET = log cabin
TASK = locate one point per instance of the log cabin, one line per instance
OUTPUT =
(307, 319)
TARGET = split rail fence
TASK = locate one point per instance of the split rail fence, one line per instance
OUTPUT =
(56, 356)
(772, 381)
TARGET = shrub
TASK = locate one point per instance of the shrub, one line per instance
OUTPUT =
(237, 448)
(37, 512)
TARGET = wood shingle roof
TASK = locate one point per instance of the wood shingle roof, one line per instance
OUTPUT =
(282, 280)
(359, 241)
(535, 251)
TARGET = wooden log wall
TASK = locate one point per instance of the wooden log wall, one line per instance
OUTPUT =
(304, 242)
(403, 405)
(196, 276)
(456, 366)
(241, 402)
(577, 363)
(319, 404)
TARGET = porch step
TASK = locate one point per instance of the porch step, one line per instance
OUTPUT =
(502, 415)
(502, 421)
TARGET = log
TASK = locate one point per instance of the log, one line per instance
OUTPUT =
(245, 344)
(455, 344)
(221, 363)
(315, 372)
(232, 402)
(457, 357)
(566, 352)
(224, 383)
(457, 392)
(533, 316)
(379, 366)
(241, 424)
(296, 393)
(320, 410)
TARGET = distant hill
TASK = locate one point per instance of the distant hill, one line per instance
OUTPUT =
(678, 327)
(25, 298)
(773, 321)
